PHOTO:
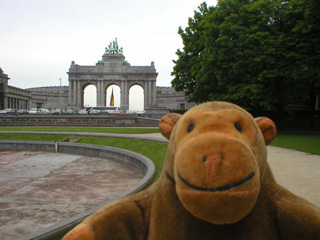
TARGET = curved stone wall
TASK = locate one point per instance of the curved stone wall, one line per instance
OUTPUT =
(138, 161)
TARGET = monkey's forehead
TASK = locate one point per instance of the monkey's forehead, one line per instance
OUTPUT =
(217, 106)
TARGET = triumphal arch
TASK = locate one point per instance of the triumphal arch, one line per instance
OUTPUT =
(112, 69)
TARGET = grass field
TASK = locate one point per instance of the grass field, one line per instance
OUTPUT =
(156, 151)
(309, 143)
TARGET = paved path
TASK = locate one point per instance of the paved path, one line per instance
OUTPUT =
(297, 171)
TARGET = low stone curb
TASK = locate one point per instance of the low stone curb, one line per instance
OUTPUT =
(138, 161)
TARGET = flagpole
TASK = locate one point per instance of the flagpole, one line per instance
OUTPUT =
(112, 99)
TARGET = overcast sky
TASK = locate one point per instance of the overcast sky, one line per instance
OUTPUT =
(40, 38)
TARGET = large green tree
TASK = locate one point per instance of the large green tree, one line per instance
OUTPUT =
(256, 53)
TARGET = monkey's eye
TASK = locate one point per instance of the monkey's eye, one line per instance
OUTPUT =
(238, 127)
(190, 127)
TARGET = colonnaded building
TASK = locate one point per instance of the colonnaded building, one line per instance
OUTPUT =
(111, 70)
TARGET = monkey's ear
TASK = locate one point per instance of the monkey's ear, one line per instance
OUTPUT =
(267, 127)
(167, 123)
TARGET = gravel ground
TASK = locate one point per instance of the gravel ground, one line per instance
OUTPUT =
(40, 189)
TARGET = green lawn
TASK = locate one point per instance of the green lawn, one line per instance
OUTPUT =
(84, 129)
(156, 151)
(309, 143)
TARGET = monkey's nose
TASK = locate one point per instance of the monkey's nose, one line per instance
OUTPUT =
(216, 158)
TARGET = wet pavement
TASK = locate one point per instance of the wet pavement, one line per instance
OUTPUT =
(296, 171)
(40, 189)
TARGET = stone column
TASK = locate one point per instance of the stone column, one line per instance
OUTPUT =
(154, 93)
(99, 93)
(145, 94)
(78, 94)
(126, 95)
(5, 102)
(124, 98)
(103, 94)
(121, 95)
(103, 90)
(70, 92)
(149, 93)
(74, 94)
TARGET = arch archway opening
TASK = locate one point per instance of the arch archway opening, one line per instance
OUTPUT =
(136, 98)
(113, 96)
(90, 96)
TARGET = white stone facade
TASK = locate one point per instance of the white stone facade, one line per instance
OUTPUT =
(111, 70)
(12, 97)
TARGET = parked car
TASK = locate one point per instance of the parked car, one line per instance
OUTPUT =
(33, 111)
(56, 111)
(129, 111)
(106, 110)
(23, 111)
(140, 112)
(44, 111)
(3, 111)
(94, 111)
(83, 112)
(69, 111)
(10, 110)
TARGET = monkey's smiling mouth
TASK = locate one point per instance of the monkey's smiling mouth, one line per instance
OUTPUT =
(217, 189)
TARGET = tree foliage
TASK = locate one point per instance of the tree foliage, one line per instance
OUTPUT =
(255, 53)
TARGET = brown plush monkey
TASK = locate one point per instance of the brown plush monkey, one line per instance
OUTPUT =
(215, 184)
